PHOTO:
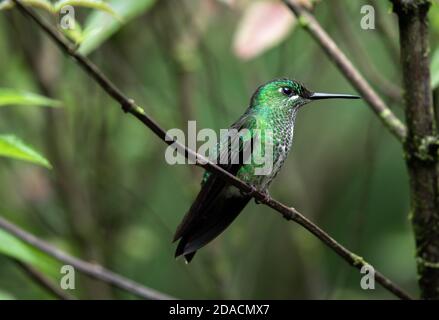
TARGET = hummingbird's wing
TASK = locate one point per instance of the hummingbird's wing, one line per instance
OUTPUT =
(218, 203)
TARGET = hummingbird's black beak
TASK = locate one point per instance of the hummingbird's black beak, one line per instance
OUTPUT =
(320, 96)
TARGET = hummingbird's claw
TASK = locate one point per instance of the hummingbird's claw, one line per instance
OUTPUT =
(266, 197)
(254, 191)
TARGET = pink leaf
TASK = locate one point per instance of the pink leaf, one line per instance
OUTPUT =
(264, 25)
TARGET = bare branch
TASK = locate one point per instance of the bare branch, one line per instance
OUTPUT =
(93, 270)
(307, 20)
(129, 106)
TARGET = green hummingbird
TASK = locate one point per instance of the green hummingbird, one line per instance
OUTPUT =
(273, 108)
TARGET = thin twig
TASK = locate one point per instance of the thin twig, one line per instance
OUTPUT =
(128, 105)
(43, 281)
(346, 67)
(93, 270)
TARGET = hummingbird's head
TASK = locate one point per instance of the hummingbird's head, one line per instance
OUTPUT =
(290, 94)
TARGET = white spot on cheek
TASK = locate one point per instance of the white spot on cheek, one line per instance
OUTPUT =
(293, 97)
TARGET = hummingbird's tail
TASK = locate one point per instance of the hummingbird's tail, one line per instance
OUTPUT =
(217, 204)
(205, 221)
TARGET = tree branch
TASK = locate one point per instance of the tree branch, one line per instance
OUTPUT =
(422, 143)
(307, 20)
(92, 270)
(129, 106)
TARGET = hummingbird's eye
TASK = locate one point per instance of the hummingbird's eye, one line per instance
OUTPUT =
(286, 91)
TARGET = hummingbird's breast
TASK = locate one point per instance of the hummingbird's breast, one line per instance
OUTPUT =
(280, 127)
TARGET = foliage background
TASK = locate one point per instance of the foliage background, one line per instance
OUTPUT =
(111, 198)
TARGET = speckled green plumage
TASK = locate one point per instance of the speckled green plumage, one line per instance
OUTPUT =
(272, 112)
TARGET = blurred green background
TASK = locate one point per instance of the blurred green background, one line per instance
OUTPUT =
(111, 198)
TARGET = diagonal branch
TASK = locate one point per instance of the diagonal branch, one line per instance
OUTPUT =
(129, 106)
(93, 270)
(396, 127)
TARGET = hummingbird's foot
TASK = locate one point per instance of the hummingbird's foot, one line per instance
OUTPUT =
(254, 191)
(266, 198)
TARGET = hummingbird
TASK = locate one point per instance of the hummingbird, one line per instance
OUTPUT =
(273, 107)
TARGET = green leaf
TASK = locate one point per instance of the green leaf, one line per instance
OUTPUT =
(12, 147)
(41, 4)
(17, 97)
(93, 4)
(15, 248)
(99, 27)
(435, 69)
